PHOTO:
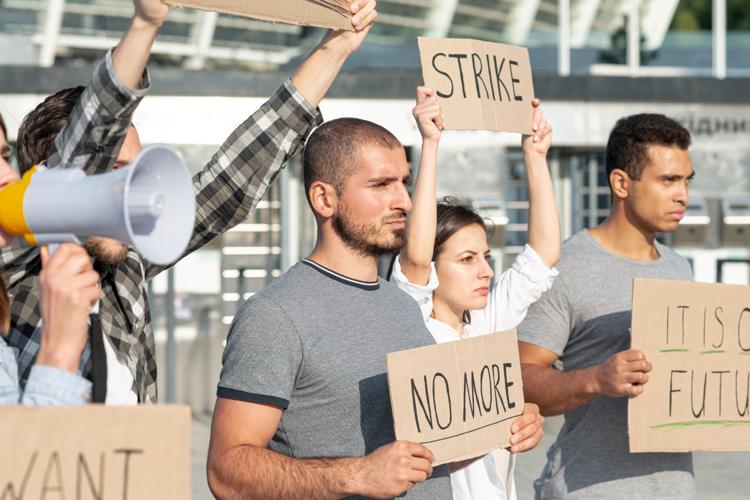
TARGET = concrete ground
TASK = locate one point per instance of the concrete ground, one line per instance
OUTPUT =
(719, 476)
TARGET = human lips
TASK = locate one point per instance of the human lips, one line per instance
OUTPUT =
(483, 290)
(677, 215)
(397, 222)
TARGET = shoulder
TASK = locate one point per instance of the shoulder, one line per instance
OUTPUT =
(675, 260)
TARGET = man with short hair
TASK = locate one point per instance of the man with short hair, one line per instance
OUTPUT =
(303, 409)
(227, 189)
(575, 342)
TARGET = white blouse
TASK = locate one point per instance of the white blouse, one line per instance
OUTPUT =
(508, 301)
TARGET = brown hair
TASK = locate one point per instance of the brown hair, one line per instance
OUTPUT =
(41, 126)
(332, 149)
(4, 309)
(3, 127)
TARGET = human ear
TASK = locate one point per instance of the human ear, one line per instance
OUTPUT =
(619, 182)
(323, 199)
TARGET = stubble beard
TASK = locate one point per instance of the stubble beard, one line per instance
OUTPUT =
(369, 240)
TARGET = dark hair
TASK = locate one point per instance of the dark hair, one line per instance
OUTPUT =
(452, 216)
(42, 125)
(3, 127)
(4, 308)
(630, 138)
(331, 151)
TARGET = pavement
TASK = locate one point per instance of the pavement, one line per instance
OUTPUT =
(719, 476)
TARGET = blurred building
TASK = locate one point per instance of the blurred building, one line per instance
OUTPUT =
(594, 61)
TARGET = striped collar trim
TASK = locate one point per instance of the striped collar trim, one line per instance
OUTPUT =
(364, 285)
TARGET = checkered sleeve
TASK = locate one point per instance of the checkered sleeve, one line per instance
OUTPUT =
(238, 175)
(92, 138)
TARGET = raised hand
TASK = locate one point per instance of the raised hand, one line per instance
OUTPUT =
(539, 143)
(151, 11)
(363, 17)
(428, 114)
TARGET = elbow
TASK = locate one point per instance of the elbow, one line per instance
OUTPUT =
(220, 488)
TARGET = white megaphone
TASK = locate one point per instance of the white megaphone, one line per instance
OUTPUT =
(149, 205)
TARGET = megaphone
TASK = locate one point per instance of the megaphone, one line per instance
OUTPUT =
(149, 205)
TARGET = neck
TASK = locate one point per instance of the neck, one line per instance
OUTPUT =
(621, 235)
(334, 254)
(448, 315)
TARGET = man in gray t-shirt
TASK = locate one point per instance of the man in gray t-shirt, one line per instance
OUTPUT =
(575, 342)
(303, 407)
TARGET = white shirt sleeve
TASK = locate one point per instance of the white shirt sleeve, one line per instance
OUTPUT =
(421, 293)
(514, 291)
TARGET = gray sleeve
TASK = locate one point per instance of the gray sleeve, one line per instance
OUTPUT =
(549, 321)
(262, 355)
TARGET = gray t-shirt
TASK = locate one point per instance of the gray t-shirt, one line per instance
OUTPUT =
(314, 343)
(585, 319)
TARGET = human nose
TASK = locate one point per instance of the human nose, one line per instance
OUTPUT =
(402, 200)
(486, 270)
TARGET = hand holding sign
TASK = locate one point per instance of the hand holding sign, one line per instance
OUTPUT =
(538, 143)
(151, 11)
(527, 430)
(428, 115)
(393, 469)
(623, 374)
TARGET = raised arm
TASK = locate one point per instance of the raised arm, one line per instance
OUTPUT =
(92, 138)
(239, 174)
(241, 466)
(416, 256)
(544, 221)
(558, 392)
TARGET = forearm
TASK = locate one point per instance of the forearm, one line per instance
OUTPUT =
(316, 75)
(557, 392)
(276, 476)
(421, 226)
(131, 55)
(544, 221)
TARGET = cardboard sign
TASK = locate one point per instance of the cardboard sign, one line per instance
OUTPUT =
(458, 398)
(95, 452)
(321, 13)
(480, 85)
(697, 336)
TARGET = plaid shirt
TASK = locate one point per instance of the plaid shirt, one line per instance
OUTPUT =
(227, 189)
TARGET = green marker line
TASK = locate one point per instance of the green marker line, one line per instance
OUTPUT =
(743, 353)
(712, 352)
(696, 423)
(675, 350)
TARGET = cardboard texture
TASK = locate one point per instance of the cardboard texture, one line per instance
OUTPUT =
(697, 336)
(321, 13)
(457, 398)
(480, 85)
(91, 452)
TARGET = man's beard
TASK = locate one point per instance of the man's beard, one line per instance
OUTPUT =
(107, 251)
(369, 240)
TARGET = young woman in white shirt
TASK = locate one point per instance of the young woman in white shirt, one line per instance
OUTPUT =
(444, 267)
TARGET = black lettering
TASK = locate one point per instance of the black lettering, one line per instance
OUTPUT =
(508, 385)
(721, 323)
(445, 74)
(126, 473)
(459, 59)
(427, 412)
(672, 390)
(739, 329)
(495, 381)
(489, 72)
(83, 467)
(740, 411)
(705, 312)
(9, 491)
(475, 58)
(684, 308)
(434, 401)
(498, 72)
(721, 384)
(514, 80)
(471, 392)
(54, 462)
(702, 410)
(667, 325)
(486, 368)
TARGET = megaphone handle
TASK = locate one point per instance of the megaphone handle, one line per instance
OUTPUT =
(52, 248)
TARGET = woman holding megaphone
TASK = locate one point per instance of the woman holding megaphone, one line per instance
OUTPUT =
(68, 287)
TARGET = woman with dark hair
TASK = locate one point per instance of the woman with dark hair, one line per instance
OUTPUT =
(444, 267)
(68, 287)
